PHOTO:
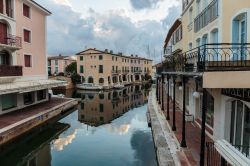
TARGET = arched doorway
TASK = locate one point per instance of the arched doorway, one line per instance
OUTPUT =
(90, 79)
(5, 58)
(137, 77)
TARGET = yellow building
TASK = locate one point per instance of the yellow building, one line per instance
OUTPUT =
(207, 74)
(106, 68)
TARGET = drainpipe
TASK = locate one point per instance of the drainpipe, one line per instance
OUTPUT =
(183, 141)
(168, 117)
(174, 126)
(203, 127)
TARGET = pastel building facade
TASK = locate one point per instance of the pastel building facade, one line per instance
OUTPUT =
(207, 49)
(23, 60)
(58, 64)
(107, 69)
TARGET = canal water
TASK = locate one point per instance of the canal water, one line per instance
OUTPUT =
(107, 129)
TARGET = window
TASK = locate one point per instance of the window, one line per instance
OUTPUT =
(115, 58)
(56, 62)
(81, 58)
(81, 69)
(100, 57)
(198, 7)
(101, 107)
(190, 15)
(28, 98)
(190, 46)
(9, 101)
(101, 80)
(240, 126)
(27, 35)
(41, 95)
(101, 96)
(27, 60)
(26, 10)
(113, 68)
(112, 58)
(100, 68)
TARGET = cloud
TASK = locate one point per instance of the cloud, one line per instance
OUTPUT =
(142, 143)
(144, 4)
(70, 32)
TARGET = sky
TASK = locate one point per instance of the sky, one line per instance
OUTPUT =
(127, 26)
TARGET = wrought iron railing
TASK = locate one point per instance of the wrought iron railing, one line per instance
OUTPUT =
(213, 157)
(211, 57)
(11, 40)
(209, 14)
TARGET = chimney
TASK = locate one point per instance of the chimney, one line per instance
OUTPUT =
(106, 50)
(132, 55)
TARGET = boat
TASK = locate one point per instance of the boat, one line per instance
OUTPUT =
(58, 95)
(89, 86)
(118, 86)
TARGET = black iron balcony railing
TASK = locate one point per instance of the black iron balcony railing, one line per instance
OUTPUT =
(211, 57)
(11, 40)
(209, 14)
(10, 71)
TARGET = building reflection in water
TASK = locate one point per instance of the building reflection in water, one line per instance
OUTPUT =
(33, 149)
(97, 108)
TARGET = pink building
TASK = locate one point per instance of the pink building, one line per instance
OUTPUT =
(58, 64)
(23, 61)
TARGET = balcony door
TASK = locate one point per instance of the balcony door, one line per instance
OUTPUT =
(3, 33)
(240, 126)
(1, 6)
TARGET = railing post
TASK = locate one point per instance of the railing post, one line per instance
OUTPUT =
(203, 128)
(199, 60)
(174, 126)
(162, 92)
(183, 141)
(168, 117)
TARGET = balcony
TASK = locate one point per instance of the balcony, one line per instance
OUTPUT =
(116, 71)
(137, 71)
(11, 41)
(10, 71)
(211, 57)
(209, 14)
(125, 71)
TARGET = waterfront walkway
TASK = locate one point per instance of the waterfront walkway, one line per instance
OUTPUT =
(182, 156)
(18, 122)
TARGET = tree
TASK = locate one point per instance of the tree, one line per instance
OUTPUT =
(75, 78)
(148, 77)
(71, 69)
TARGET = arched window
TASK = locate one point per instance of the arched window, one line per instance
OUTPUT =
(90, 80)
(215, 39)
(239, 35)
(101, 80)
